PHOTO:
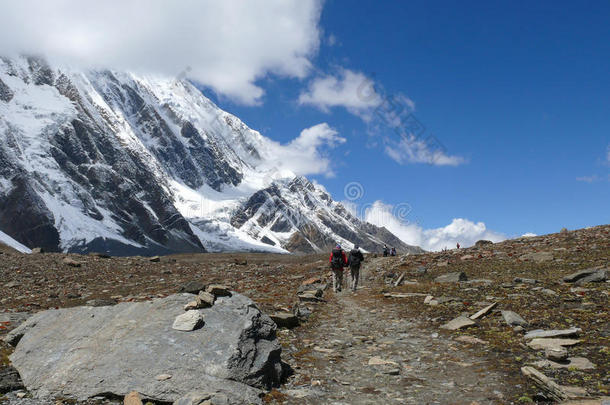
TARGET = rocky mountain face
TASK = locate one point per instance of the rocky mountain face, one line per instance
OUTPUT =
(127, 164)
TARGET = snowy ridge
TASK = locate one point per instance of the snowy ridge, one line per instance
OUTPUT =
(10, 242)
(133, 164)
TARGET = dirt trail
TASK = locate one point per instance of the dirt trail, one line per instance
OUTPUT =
(356, 350)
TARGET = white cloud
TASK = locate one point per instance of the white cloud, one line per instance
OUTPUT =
(528, 235)
(588, 179)
(227, 44)
(608, 155)
(305, 154)
(351, 90)
(415, 150)
(460, 230)
(390, 116)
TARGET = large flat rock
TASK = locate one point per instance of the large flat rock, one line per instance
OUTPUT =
(587, 276)
(87, 351)
(452, 277)
(458, 323)
(545, 343)
(539, 333)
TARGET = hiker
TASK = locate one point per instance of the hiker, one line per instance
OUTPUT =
(393, 252)
(386, 251)
(458, 245)
(355, 260)
(338, 261)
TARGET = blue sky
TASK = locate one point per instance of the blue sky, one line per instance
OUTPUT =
(520, 91)
(515, 96)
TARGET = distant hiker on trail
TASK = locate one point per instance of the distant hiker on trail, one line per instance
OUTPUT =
(355, 260)
(386, 251)
(458, 245)
(393, 252)
(338, 261)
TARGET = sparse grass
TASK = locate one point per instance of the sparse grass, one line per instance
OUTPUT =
(274, 396)
(5, 352)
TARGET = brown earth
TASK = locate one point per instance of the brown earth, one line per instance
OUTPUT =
(331, 353)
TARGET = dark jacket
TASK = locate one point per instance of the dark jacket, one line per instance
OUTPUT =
(343, 257)
(355, 258)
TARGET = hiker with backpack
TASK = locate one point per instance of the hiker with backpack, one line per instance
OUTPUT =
(386, 251)
(355, 260)
(338, 261)
(393, 252)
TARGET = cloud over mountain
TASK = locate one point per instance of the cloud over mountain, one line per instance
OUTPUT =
(460, 230)
(226, 45)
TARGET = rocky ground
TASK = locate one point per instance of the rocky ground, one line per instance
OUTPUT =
(384, 344)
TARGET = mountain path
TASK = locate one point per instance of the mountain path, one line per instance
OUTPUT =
(358, 351)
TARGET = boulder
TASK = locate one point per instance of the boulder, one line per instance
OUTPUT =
(451, 277)
(546, 343)
(378, 361)
(285, 319)
(525, 280)
(310, 281)
(37, 250)
(317, 289)
(205, 299)
(154, 259)
(309, 296)
(483, 243)
(193, 287)
(597, 277)
(123, 348)
(551, 389)
(539, 333)
(481, 313)
(458, 323)
(538, 257)
(587, 276)
(71, 262)
(576, 363)
(513, 319)
(301, 311)
(556, 353)
(470, 340)
(549, 292)
(188, 321)
(218, 290)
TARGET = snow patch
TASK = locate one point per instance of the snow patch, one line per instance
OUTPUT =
(8, 241)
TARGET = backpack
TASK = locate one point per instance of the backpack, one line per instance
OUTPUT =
(354, 257)
(337, 261)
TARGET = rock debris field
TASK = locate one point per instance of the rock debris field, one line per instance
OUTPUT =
(522, 321)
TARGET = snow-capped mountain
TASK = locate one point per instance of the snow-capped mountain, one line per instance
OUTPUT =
(132, 164)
